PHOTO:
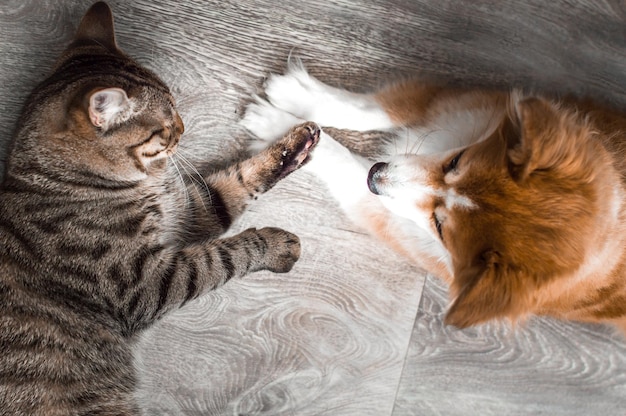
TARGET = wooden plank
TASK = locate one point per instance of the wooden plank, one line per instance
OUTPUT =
(543, 367)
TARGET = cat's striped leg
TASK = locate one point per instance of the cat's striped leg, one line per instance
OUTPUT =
(171, 276)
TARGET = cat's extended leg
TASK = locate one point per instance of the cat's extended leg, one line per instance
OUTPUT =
(228, 191)
(171, 276)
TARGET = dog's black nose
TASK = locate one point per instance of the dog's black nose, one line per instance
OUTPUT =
(374, 177)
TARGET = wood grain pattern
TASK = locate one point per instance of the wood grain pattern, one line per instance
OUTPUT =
(542, 367)
(339, 335)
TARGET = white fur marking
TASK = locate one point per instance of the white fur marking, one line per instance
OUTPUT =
(342, 172)
(453, 199)
(267, 123)
(450, 130)
(303, 96)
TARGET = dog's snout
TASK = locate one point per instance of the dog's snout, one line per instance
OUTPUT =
(374, 177)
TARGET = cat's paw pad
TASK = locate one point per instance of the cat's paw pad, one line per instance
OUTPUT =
(266, 122)
(282, 249)
(293, 150)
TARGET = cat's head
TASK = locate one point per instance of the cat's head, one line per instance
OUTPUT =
(100, 116)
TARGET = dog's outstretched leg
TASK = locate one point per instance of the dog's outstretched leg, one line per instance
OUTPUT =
(300, 94)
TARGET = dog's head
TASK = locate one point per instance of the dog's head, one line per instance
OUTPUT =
(513, 212)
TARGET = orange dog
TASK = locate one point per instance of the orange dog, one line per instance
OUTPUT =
(518, 201)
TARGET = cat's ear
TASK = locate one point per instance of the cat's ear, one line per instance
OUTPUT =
(108, 107)
(97, 25)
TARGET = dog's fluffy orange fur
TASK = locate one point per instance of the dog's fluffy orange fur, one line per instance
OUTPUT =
(517, 201)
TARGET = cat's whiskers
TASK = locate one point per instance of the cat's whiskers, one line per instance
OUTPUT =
(196, 178)
(182, 178)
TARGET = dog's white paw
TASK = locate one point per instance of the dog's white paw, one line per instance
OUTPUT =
(296, 91)
(266, 122)
(307, 98)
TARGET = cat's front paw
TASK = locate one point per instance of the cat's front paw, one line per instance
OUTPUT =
(293, 150)
(282, 249)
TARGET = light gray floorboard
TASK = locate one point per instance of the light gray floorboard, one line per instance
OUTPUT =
(339, 334)
(542, 367)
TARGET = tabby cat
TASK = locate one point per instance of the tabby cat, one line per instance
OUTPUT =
(99, 238)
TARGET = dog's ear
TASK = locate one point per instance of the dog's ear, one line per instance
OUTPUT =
(544, 138)
(487, 290)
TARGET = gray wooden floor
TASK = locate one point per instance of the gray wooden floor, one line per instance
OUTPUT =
(353, 329)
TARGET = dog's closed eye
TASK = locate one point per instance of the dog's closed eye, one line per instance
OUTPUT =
(438, 225)
(453, 163)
